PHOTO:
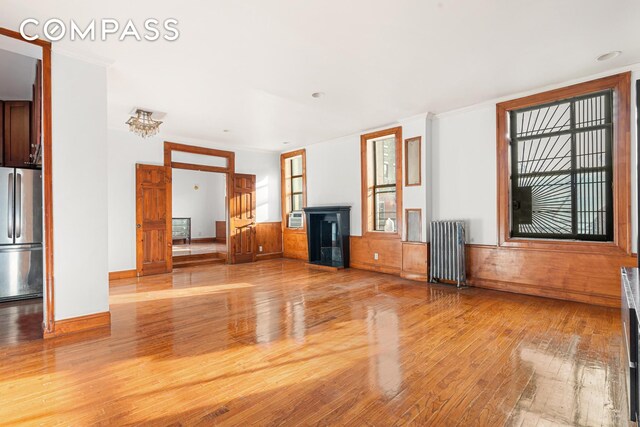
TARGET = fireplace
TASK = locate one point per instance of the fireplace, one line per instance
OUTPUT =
(328, 230)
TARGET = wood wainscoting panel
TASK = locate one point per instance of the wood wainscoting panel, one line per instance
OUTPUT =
(363, 250)
(415, 259)
(269, 237)
(294, 244)
(583, 277)
(221, 231)
(122, 274)
(80, 324)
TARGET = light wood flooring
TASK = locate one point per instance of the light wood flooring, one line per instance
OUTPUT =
(279, 343)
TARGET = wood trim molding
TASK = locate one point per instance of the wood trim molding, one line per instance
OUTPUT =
(122, 274)
(406, 161)
(273, 255)
(16, 35)
(202, 168)
(49, 285)
(283, 188)
(229, 170)
(621, 85)
(81, 324)
(194, 149)
(364, 196)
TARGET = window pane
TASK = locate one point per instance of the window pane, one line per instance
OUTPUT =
(297, 202)
(385, 209)
(385, 161)
(296, 165)
(562, 169)
(296, 185)
(414, 226)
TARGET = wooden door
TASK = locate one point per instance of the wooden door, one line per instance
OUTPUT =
(242, 218)
(153, 230)
(17, 133)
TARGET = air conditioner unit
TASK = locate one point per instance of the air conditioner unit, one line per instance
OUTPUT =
(296, 219)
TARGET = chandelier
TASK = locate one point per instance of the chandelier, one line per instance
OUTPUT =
(143, 125)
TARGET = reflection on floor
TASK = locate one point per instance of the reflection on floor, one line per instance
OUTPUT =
(199, 248)
(197, 254)
(279, 343)
(20, 321)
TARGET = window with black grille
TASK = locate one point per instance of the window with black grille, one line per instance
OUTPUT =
(561, 169)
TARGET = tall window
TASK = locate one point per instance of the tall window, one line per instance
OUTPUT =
(384, 184)
(563, 166)
(562, 169)
(382, 181)
(293, 183)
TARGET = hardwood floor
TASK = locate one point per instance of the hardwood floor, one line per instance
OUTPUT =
(20, 321)
(279, 343)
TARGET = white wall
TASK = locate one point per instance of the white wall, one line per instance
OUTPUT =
(79, 166)
(204, 205)
(464, 167)
(464, 171)
(333, 173)
(126, 149)
(459, 168)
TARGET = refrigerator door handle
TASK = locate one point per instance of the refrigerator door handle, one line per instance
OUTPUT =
(10, 208)
(18, 204)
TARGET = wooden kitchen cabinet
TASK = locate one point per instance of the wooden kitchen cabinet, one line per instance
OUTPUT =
(16, 139)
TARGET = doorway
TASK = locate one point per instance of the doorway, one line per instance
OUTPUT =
(198, 218)
(22, 263)
(154, 206)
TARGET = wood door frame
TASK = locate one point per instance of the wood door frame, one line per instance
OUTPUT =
(229, 170)
(49, 323)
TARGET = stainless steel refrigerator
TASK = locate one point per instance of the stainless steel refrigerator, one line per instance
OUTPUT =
(21, 258)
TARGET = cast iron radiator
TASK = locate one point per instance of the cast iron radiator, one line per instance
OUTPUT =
(447, 259)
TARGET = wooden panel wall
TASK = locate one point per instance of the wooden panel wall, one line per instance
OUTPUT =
(221, 231)
(415, 259)
(269, 236)
(295, 244)
(389, 254)
(585, 277)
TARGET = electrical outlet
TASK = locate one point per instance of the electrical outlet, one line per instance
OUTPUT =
(375, 256)
(259, 248)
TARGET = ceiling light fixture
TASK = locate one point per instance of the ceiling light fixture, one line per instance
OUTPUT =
(609, 55)
(317, 94)
(143, 125)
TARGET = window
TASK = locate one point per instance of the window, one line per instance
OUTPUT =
(384, 184)
(563, 166)
(561, 169)
(293, 183)
(382, 181)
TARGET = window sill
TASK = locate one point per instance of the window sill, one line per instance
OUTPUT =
(381, 235)
(576, 246)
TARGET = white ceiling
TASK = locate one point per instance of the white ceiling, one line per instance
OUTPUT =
(250, 66)
(17, 74)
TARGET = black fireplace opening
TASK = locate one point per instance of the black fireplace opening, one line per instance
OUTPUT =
(328, 235)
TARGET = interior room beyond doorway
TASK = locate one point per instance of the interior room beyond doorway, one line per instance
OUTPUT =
(199, 228)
